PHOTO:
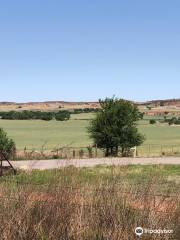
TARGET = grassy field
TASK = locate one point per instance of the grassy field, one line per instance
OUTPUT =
(90, 203)
(34, 133)
(132, 175)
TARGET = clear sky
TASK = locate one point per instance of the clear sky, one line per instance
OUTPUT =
(77, 50)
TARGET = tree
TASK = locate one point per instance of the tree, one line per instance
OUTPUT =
(152, 121)
(141, 115)
(162, 104)
(62, 116)
(7, 146)
(46, 116)
(114, 128)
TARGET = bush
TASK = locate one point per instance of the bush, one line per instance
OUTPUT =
(161, 103)
(152, 121)
(173, 120)
(7, 146)
(62, 116)
(85, 110)
(47, 116)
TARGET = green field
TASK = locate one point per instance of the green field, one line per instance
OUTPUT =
(34, 133)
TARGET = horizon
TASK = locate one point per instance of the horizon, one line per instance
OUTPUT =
(86, 51)
(46, 101)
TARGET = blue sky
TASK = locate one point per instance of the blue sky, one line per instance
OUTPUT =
(81, 50)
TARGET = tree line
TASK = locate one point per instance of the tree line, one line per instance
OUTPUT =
(173, 120)
(39, 115)
(85, 110)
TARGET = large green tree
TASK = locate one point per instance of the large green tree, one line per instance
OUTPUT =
(114, 128)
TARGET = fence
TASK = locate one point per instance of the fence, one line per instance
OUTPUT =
(146, 150)
(158, 150)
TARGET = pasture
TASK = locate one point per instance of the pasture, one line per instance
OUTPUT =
(33, 134)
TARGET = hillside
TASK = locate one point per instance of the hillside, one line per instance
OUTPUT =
(154, 107)
(46, 106)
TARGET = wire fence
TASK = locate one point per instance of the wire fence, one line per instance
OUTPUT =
(70, 152)
(153, 150)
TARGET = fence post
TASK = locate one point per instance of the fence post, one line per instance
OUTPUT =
(1, 168)
(96, 150)
(74, 153)
(149, 149)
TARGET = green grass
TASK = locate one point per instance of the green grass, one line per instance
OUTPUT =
(82, 116)
(161, 134)
(34, 133)
(133, 175)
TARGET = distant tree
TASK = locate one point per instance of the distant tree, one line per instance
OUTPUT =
(114, 128)
(152, 121)
(47, 116)
(161, 103)
(141, 115)
(28, 115)
(149, 108)
(172, 121)
(62, 115)
(7, 146)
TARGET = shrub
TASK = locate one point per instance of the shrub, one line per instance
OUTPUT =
(161, 103)
(90, 151)
(174, 120)
(81, 153)
(7, 146)
(152, 121)
(62, 116)
(47, 116)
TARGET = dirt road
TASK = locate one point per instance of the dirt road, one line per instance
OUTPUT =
(54, 164)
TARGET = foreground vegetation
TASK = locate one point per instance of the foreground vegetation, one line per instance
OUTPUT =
(93, 203)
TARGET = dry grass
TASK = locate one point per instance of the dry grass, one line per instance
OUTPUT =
(106, 209)
(47, 106)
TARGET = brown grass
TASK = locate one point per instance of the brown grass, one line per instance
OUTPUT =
(47, 106)
(107, 211)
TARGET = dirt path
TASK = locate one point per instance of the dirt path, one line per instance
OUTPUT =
(53, 164)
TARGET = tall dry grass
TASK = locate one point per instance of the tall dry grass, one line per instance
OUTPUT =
(108, 211)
